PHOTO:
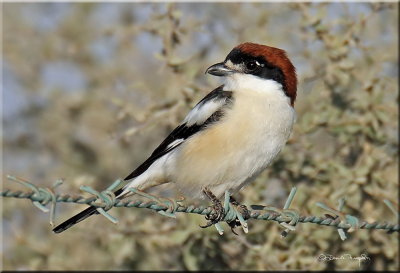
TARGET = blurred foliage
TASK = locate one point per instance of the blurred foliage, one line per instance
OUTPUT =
(91, 89)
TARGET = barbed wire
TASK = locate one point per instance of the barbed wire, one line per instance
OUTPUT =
(286, 217)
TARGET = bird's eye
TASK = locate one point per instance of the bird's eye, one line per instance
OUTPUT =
(251, 65)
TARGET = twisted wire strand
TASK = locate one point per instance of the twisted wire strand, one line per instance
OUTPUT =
(156, 206)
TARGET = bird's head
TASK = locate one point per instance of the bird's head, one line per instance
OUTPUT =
(263, 62)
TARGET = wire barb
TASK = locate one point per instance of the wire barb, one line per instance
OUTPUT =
(392, 209)
(105, 198)
(289, 217)
(170, 204)
(348, 219)
(41, 193)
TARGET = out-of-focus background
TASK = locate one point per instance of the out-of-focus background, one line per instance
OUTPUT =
(89, 90)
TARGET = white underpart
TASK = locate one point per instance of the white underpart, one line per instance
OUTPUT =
(232, 152)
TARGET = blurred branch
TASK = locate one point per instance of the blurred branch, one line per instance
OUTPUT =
(288, 218)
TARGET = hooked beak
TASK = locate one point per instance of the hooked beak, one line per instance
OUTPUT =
(219, 69)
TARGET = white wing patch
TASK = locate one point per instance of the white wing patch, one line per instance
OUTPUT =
(175, 143)
(199, 114)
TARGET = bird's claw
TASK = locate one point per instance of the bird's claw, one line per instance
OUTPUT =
(240, 213)
(219, 212)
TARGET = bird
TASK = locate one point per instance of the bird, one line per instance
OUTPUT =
(230, 136)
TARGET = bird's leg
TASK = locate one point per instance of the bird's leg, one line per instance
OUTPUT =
(219, 211)
(243, 210)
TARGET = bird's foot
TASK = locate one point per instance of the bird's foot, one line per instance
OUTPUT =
(219, 212)
(232, 212)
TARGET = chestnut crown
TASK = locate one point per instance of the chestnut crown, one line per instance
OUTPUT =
(266, 62)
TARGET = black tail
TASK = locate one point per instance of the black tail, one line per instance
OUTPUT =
(79, 217)
(75, 219)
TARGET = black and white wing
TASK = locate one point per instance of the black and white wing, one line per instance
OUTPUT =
(209, 110)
